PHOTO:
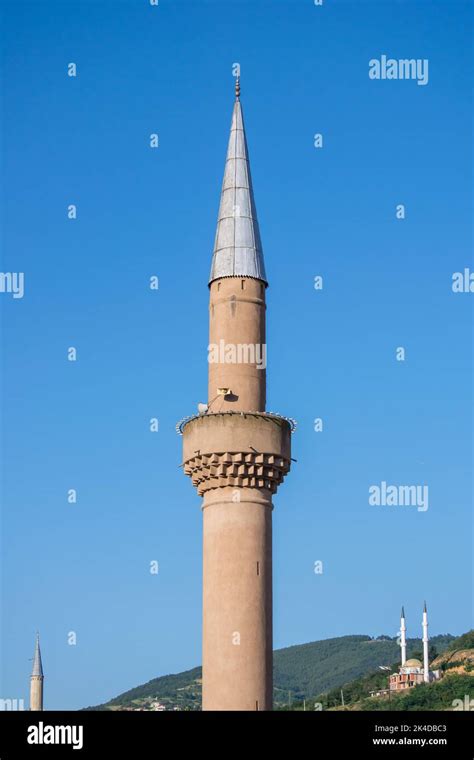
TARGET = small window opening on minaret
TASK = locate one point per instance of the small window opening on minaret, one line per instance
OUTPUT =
(258, 568)
(218, 286)
(242, 284)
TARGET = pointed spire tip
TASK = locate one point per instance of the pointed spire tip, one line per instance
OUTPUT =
(237, 246)
(37, 664)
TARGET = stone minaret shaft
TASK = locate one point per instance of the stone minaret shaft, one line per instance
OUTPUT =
(237, 455)
(36, 679)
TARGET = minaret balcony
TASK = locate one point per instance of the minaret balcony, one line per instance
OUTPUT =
(237, 450)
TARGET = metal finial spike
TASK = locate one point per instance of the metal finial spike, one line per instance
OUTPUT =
(237, 88)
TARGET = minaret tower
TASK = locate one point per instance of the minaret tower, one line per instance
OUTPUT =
(426, 665)
(237, 454)
(403, 640)
(36, 679)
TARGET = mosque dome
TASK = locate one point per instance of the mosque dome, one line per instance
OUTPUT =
(412, 664)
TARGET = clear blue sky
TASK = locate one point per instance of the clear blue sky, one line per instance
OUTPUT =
(142, 354)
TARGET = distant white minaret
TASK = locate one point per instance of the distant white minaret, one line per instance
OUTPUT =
(36, 680)
(426, 665)
(403, 640)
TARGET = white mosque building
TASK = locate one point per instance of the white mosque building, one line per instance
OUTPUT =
(413, 672)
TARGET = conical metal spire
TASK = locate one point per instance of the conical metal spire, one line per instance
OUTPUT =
(237, 247)
(403, 613)
(37, 664)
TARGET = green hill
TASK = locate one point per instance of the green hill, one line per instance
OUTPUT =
(456, 661)
(352, 692)
(466, 641)
(310, 669)
(300, 672)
